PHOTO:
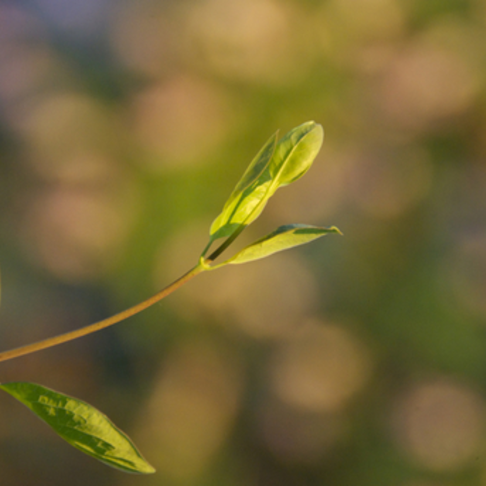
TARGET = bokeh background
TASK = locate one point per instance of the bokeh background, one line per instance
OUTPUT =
(353, 361)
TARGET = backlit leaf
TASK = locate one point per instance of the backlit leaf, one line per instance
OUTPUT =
(282, 238)
(295, 153)
(81, 425)
(276, 165)
(247, 194)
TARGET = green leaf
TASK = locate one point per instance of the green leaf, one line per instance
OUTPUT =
(276, 165)
(295, 153)
(247, 194)
(282, 238)
(81, 425)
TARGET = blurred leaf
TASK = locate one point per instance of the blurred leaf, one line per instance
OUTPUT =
(282, 238)
(274, 166)
(81, 425)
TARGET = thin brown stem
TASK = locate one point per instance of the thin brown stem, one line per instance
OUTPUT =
(69, 336)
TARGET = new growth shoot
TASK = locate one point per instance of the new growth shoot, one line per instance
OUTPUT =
(276, 165)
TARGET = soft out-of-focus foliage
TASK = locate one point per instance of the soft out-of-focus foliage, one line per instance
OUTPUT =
(358, 360)
(81, 425)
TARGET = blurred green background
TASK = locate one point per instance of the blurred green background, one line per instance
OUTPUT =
(353, 361)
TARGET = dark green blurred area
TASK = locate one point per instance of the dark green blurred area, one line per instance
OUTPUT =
(356, 360)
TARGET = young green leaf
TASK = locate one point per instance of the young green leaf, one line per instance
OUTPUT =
(276, 165)
(282, 238)
(295, 153)
(81, 425)
(247, 194)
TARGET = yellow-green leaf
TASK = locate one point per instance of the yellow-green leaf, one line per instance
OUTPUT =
(295, 153)
(246, 196)
(276, 165)
(282, 238)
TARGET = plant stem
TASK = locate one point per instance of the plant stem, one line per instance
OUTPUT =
(69, 336)
(225, 245)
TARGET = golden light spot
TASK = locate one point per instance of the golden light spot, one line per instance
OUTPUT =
(65, 124)
(180, 122)
(320, 367)
(440, 424)
(76, 233)
(426, 84)
(253, 40)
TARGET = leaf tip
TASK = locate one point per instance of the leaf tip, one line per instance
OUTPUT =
(314, 126)
(334, 229)
(148, 469)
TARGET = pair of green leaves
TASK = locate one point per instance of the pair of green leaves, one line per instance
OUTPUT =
(276, 165)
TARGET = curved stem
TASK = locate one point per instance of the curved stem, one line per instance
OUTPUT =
(69, 336)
